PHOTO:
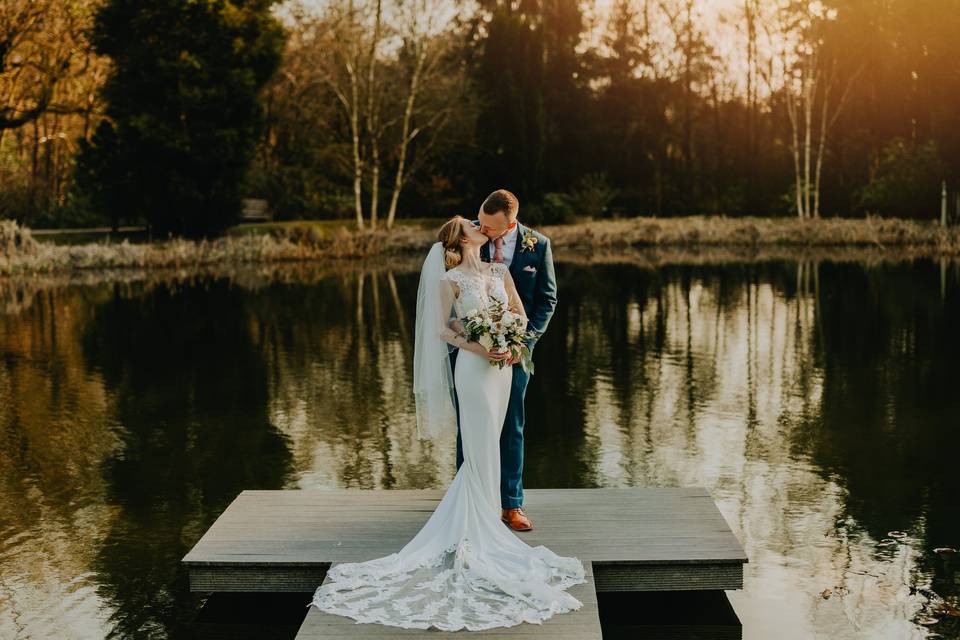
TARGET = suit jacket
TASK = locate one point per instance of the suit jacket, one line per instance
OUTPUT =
(534, 276)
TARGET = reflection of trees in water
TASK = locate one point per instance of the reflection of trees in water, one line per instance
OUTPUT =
(54, 433)
(649, 351)
(341, 356)
(556, 452)
(888, 423)
(811, 400)
(189, 395)
(725, 377)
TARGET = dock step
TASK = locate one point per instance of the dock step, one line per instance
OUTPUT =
(638, 539)
(582, 624)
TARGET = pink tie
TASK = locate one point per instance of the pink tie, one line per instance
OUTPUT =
(498, 252)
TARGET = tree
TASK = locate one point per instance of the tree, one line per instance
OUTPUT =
(331, 126)
(337, 41)
(510, 73)
(436, 92)
(300, 166)
(693, 55)
(810, 78)
(183, 109)
(49, 77)
(629, 111)
(906, 183)
(38, 46)
(751, 15)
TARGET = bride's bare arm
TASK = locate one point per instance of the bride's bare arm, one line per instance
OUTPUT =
(448, 293)
(513, 297)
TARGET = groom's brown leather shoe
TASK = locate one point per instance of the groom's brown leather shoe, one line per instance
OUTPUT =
(516, 519)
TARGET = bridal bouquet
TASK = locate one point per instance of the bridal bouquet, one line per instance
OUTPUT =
(497, 328)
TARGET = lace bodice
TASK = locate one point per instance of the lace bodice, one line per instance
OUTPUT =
(477, 291)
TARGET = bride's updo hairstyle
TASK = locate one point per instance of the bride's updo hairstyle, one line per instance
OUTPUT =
(451, 236)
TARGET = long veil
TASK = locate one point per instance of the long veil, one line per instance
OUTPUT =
(432, 373)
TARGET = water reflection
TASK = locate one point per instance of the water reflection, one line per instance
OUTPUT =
(812, 399)
(190, 402)
(54, 434)
(790, 392)
(339, 386)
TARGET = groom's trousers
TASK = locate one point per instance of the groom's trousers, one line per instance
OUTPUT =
(511, 440)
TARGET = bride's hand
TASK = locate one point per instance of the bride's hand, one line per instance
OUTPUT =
(498, 356)
(478, 349)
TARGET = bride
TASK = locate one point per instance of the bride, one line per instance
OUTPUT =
(464, 569)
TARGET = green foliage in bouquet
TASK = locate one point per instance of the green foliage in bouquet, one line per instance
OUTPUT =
(498, 329)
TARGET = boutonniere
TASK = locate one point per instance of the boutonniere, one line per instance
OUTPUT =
(529, 241)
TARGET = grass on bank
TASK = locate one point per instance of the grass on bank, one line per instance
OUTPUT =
(20, 252)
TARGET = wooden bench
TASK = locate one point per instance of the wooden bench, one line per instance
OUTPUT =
(255, 210)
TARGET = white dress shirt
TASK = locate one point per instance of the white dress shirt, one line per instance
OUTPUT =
(509, 245)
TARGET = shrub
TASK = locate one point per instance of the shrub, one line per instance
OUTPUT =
(907, 182)
(15, 240)
(592, 195)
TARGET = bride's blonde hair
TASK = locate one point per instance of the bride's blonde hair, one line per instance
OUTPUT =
(451, 236)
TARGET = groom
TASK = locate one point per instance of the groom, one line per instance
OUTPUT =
(528, 255)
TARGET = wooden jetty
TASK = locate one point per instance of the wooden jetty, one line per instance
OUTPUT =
(635, 539)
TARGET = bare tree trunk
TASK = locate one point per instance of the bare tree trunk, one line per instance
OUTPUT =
(820, 147)
(372, 124)
(658, 182)
(406, 137)
(795, 147)
(826, 123)
(53, 152)
(34, 165)
(344, 43)
(718, 141)
(352, 64)
(688, 87)
(809, 92)
(357, 160)
(374, 183)
(750, 15)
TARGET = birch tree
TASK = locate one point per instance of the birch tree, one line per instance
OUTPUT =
(390, 68)
(426, 52)
(809, 87)
(334, 42)
(373, 113)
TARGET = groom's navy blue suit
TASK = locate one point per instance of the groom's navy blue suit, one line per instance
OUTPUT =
(536, 282)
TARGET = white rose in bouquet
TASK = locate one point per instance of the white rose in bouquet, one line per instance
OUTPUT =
(486, 341)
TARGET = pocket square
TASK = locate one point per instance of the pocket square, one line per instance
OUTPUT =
(530, 269)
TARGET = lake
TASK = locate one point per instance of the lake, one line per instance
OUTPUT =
(817, 402)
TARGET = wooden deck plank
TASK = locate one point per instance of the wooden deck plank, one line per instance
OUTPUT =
(637, 538)
(582, 624)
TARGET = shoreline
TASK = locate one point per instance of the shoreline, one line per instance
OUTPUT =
(651, 241)
(18, 290)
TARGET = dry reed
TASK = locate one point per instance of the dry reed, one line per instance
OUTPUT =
(20, 253)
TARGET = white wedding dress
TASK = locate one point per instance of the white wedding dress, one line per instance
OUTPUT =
(464, 569)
